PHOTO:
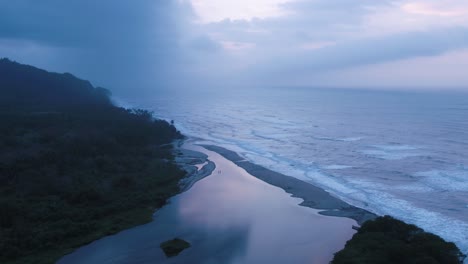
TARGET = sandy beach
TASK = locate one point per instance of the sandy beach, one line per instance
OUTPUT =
(228, 216)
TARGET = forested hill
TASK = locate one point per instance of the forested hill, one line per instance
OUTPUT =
(23, 85)
(74, 167)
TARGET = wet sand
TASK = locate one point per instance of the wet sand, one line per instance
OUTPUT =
(229, 217)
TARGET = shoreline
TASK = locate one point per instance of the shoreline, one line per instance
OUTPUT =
(212, 216)
(188, 160)
(313, 196)
(225, 217)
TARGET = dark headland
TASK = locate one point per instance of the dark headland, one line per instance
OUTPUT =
(74, 167)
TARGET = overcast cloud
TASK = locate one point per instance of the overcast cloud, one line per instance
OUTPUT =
(144, 45)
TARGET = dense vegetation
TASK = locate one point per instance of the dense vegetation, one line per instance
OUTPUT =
(33, 88)
(172, 248)
(73, 167)
(386, 240)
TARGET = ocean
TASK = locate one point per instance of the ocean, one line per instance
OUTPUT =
(403, 154)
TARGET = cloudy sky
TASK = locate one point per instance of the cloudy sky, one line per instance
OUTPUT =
(145, 44)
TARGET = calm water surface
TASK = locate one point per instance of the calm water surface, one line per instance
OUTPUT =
(228, 217)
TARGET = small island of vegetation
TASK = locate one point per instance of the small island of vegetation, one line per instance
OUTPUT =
(74, 167)
(173, 247)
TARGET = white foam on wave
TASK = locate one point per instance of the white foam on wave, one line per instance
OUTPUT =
(279, 137)
(336, 167)
(369, 195)
(350, 139)
(386, 155)
(445, 180)
(396, 147)
(275, 163)
(374, 197)
(451, 229)
(415, 188)
(336, 185)
(346, 139)
(393, 152)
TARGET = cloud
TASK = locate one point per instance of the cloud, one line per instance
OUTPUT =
(445, 71)
(320, 37)
(115, 43)
(135, 46)
(218, 10)
(383, 49)
(442, 8)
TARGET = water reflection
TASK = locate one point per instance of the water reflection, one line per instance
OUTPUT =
(229, 217)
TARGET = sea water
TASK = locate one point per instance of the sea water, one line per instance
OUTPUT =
(399, 153)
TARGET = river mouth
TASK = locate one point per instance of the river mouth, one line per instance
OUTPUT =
(228, 217)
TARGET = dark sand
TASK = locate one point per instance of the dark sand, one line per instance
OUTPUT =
(313, 196)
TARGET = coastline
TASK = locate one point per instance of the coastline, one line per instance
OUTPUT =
(328, 205)
(201, 215)
(128, 189)
(189, 161)
(226, 218)
(314, 197)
